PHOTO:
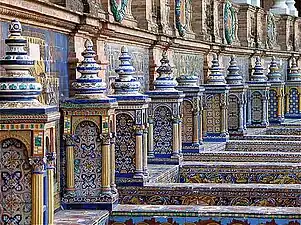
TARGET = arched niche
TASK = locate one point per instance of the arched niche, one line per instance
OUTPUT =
(15, 200)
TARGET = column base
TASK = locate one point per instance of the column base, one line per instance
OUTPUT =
(239, 132)
(192, 148)
(278, 120)
(102, 202)
(292, 116)
(131, 180)
(167, 159)
(216, 137)
(255, 125)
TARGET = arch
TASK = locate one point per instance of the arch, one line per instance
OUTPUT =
(233, 113)
(87, 160)
(125, 146)
(25, 139)
(163, 130)
(256, 107)
(187, 131)
(273, 105)
(77, 122)
(15, 182)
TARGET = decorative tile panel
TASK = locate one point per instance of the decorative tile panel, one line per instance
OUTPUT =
(233, 112)
(187, 131)
(87, 160)
(257, 107)
(15, 183)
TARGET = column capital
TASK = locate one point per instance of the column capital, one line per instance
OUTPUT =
(38, 164)
(51, 157)
(105, 137)
(68, 138)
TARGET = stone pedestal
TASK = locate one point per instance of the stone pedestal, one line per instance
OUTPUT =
(276, 94)
(131, 122)
(165, 117)
(27, 136)
(192, 125)
(293, 92)
(258, 93)
(237, 109)
(89, 125)
(215, 105)
(280, 7)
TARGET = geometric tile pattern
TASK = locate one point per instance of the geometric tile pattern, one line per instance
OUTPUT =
(187, 131)
(163, 130)
(273, 105)
(257, 107)
(87, 160)
(294, 101)
(233, 113)
(125, 144)
(15, 183)
(213, 114)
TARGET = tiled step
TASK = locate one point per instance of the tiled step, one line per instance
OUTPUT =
(244, 156)
(240, 172)
(270, 195)
(263, 146)
(163, 173)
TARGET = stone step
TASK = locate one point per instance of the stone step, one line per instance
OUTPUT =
(243, 156)
(240, 172)
(263, 146)
(79, 217)
(269, 138)
(183, 214)
(270, 195)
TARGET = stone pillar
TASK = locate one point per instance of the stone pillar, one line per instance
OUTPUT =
(175, 137)
(280, 7)
(113, 184)
(139, 153)
(106, 164)
(150, 153)
(145, 153)
(291, 7)
(50, 175)
(70, 165)
(38, 166)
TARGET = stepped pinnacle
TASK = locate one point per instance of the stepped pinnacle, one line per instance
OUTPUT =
(17, 87)
(126, 83)
(216, 76)
(89, 85)
(274, 75)
(165, 80)
(294, 73)
(258, 75)
(233, 76)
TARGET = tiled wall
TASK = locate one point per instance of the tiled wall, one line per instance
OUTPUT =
(50, 50)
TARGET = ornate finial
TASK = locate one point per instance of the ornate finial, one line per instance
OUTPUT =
(258, 75)
(17, 87)
(216, 76)
(274, 74)
(126, 83)
(89, 85)
(165, 80)
(187, 81)
(234, 76)
(294, 73)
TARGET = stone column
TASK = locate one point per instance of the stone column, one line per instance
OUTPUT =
(113, 185)
(280, 7)
(51, 157)
(106, 164)
(223, 117)
(241, 113)
(196, 127)
(145, 153)
(151, 138)
(139, 153)
(175, 140)
(38, 170)
(265, 109)
(70, 164)
(180, 136)
(291, 7)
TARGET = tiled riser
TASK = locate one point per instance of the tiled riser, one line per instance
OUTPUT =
(241, 175)
(213, 195)
(159, 220)
(279, 137)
